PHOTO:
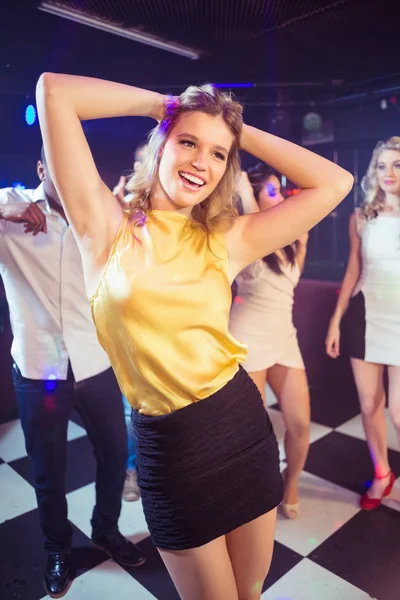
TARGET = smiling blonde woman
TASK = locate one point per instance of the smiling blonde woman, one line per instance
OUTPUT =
(159, 281)
(366, 322)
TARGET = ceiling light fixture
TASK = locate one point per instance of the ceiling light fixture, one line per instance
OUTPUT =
(130, 34)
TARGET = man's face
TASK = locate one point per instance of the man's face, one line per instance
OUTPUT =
(45, 177)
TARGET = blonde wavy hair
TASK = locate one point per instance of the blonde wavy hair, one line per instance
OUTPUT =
(374, 195)
(217, 212)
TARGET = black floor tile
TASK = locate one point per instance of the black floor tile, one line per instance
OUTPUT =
(331, 407)
(344, 460)
(274, 406)
(153, 575)
(283, 560)
(22, 557)
(366, 553)
(81, 465)
(76, 418)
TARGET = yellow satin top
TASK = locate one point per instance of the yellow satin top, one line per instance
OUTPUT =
(162, 313)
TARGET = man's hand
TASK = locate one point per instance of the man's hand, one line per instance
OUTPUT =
(119, 191)
(244, 189)
(246, 194)
(26, 212)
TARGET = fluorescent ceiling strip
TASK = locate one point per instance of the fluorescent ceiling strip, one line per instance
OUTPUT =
(130, 34)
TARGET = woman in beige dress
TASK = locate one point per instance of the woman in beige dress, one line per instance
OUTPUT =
(261, 317)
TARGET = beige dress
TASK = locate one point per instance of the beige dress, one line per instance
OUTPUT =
(261, 316)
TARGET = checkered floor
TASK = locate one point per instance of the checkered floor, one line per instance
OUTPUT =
(333, 551)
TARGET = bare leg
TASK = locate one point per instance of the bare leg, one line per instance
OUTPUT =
(203, 573)
(250, 548)
(260, 378)
(369, 381)
(232, 567)
(394, 398)
(291, 388)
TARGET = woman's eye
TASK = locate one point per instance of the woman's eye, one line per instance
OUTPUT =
(219, 155)
(188, 143)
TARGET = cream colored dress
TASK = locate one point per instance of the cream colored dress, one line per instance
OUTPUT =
(261, 316)
(371, 324)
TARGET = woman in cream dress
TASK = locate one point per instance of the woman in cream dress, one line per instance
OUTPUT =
(366, 323)
(261, 317)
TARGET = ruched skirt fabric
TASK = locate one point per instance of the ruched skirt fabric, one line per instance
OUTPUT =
(208, 468)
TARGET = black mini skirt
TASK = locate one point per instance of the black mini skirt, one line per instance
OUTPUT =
(208, 468)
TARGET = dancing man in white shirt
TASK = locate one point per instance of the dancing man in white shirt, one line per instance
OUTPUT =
(59, 365)
(131, 491)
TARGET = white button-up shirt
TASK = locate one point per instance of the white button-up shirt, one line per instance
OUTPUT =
(49, 310)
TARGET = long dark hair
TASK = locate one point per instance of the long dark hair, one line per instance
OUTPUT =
(258, 176)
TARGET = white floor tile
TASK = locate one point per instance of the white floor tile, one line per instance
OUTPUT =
(270, 397)
(75, 431)
(354, 427)
(279, 428)
(309, 581)
(132, 523)
(324, 508)
(12, 442)
(317, 431)
(108, 581)
(17, 496)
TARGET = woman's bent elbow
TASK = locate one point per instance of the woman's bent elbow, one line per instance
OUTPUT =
(46, 83)
(344, 184)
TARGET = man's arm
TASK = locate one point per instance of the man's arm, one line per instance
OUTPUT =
(21, 210)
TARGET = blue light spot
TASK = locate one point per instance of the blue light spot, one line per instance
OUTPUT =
(271, 190)
(30, 114)
(51, 383)
(18, 185)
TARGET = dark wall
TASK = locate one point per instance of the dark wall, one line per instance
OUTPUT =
(357, 128)
(328, 379)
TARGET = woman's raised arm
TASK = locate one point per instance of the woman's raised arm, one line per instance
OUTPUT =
(323, 186)
(64, 101)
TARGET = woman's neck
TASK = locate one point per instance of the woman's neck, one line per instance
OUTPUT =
(392, 201)
(161, 201)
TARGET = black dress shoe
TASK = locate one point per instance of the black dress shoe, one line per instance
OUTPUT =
(120, 549)
(56, 575)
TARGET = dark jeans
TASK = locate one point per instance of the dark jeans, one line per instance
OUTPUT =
(44, 409)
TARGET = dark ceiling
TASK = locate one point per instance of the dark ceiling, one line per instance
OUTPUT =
(304, 48)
